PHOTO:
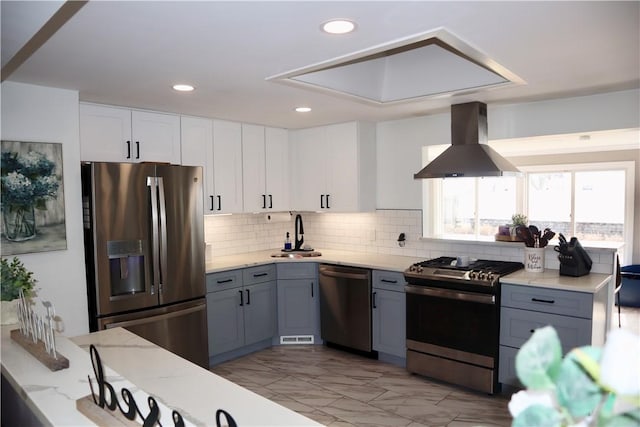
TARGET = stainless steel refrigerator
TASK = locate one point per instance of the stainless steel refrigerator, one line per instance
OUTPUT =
(144, 250)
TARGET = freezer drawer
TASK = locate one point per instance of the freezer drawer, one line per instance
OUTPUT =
(180, 328)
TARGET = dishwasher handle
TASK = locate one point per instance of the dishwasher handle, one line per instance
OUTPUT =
(343, 274)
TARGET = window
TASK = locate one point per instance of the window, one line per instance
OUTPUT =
(463, 197)
(593, 202)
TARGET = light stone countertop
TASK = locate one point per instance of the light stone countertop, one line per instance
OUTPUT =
(396, 263)
(548, 279)
(142, 367)
(590, 283)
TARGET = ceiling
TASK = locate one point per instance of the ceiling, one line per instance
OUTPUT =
(131, 53)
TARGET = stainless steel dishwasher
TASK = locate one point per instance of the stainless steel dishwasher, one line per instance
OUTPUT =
(345, 306)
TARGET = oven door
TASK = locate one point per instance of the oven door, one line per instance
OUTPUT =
(462, 321)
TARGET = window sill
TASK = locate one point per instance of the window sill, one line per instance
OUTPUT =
(484, 241)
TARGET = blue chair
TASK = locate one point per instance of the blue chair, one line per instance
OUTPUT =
(629, 292)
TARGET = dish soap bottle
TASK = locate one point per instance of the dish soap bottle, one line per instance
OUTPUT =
(287, 243)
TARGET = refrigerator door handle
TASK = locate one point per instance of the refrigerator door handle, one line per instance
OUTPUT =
(163, 231)
(155, 249)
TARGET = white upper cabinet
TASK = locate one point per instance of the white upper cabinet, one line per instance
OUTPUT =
(197, 150)
(265, 165)
(227, 166)
(334, 168)
(216, 146)
(112, 134)
(278, 166)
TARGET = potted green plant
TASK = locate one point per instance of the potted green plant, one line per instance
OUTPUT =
(14, 277)
(517, 220)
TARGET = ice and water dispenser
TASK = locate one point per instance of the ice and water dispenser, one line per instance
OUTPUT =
(126, 267)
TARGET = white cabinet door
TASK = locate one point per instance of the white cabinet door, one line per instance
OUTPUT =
(277, 169)
(309, 166)
(105, 134)
(334, 168)
(351, 185)
(227, 166)
(265, 169)
(197, 150)
(253, 168)
(156, 137)
(112, 134)
(342, 167)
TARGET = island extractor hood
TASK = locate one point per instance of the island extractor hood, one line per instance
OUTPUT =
(469, 154)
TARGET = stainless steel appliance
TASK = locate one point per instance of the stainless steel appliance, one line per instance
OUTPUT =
(469, 153)
(453, 320)
(345, 306)
(144, 249)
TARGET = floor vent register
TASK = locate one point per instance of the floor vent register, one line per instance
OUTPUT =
(296, 339)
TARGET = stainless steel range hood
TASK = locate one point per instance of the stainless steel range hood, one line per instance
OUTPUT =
(469, 154)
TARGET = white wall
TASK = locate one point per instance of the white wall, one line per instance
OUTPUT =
(400, 142)
(43, 114)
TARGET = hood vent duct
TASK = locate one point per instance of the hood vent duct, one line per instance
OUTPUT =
(469, 154)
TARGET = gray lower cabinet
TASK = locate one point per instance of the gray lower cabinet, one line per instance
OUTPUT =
(578, 318)
(241, 307)
(298, 306)
(389, 313)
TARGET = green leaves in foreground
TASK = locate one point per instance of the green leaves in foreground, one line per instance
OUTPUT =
(539, 359)
(589, 387)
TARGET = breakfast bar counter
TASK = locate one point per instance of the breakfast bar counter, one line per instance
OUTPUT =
(140, 366)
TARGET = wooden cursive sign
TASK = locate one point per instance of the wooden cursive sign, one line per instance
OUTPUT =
(107, 409)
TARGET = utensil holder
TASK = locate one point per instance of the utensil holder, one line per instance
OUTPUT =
(534, 259)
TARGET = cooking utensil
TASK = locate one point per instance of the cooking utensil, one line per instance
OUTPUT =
(547, 235)
(525, 235)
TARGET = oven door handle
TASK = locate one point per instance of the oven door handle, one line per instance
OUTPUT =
(450, 294)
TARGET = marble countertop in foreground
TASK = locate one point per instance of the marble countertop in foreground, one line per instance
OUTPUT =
(146, 370)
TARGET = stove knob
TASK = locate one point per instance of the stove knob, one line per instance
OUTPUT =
(490, 277)
(473, 275)
(482, 275)
(419, 269)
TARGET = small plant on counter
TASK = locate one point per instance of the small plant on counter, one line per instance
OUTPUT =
(519, 219)
(591, 386)
(14, 277)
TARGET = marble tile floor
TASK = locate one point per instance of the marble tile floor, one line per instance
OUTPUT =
(340, 389)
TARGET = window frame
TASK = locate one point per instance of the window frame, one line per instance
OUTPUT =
(432, 198)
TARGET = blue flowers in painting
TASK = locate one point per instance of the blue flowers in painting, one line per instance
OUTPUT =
(28, 179)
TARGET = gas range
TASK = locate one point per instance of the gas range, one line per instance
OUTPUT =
(481, 274)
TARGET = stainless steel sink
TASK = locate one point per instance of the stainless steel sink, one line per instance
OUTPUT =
(296, 254)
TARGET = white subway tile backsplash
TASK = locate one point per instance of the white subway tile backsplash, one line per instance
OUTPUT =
(371, 232)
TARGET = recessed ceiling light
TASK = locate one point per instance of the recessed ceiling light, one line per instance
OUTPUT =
(303, 109)
(338, 26)
(183, 88)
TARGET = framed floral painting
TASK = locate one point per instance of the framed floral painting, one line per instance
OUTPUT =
(32, 204)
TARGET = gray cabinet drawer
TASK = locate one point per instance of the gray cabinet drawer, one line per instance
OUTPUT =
(259, 274)
(389, 280)
(545, 300)
(297, 270)
(224, 280)
(516, 326)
